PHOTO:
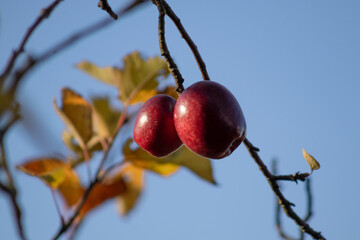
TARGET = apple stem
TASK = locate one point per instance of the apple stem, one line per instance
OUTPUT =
(165, 51)
(164, 8)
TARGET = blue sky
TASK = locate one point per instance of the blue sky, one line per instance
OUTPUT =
(294, 67)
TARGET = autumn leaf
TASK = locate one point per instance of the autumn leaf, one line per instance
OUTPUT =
(314, 165)
(143, 159)
(167, 165)
(140, 75)
(92, 146)
(77, 115)
(134, 180)
(171, 91)
(101, 192)
(136, 81)
(109, 75)
(199, 165)
(57, 175)
(106, 116)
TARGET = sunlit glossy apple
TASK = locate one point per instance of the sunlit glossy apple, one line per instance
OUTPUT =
(154, 129)
(209, 120)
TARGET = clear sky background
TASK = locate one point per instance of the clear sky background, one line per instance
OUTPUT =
(294, 67)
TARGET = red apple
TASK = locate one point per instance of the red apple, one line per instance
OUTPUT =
(209, 120)
(154, 129)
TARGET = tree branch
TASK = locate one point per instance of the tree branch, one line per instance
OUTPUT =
(165, 51)
(98, 178)
(292, 177)
(278, 224)
(34, 61)
(11, 189)
(45, 13)
(104, 5)
(285, 204)
(309, 203)
(169, 12)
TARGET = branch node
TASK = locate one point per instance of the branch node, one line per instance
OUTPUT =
(104, 5)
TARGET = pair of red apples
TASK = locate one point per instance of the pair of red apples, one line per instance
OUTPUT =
(206, 118)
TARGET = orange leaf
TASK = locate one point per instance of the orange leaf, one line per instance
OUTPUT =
(103, 191)
(57, 175)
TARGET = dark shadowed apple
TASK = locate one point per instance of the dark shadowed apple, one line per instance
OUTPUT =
(154, 129)
(209, 120)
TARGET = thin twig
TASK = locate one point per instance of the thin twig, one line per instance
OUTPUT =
(292, 177)
(98, 178)
(278, 224)
(5, 188)
(11, 189)
(165, 51)
(45, 13)
(57, 206)
(309, 203)
(35, 61)
(285, 204)
(104, 5)
(201, 64)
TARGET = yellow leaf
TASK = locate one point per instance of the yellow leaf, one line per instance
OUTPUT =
(136, 81)
(106, 116)
(67, 138)
(167, 165)
(109, 75)
(71, 190)
(76, 114)
(143, 159)
(311, 161)
(134, 180)
(92, 146)
(199, 165)
(78, 111)
(140, 75)
(169, 90)
(56, 174)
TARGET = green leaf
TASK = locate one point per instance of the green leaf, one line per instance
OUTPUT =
(311, 161)
(106, 116)
(182, 157)
(109, 75)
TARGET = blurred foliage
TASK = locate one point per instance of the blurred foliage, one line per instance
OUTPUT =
(91, 126)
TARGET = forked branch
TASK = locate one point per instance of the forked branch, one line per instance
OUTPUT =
(170, 13)
(283, 202)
